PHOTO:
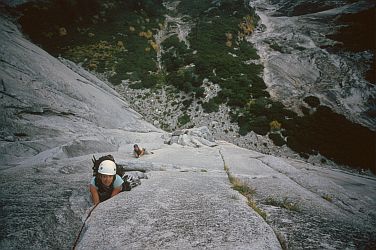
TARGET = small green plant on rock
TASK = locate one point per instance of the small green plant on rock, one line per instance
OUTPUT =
(246, 190)
(327, 197)
(282, 203)
(227, 169)
(184, 119)
(242, 187)
(277, 139)
(258, 210)
(275, 125)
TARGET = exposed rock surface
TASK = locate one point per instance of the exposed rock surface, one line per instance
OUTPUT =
(55, 116)
(193, 193)
(293, 48)
(190, 204)
(308, 206)
(196, 137)
(52, 120)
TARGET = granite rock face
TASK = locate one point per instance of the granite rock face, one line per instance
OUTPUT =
(188, 205)
(301, 58)
(55, 116)
(53, 119)
(195, 137)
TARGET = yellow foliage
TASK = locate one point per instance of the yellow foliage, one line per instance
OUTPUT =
(101, 54)
(131, 28)
(154, 45)
(120, 44)
(251, 102)
(229, 39)
(104, 45)
(147, 49)
(275, 125)
(148, 34)
(62, 31)
(247, 26)
(92, 66)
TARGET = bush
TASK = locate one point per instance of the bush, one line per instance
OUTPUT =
(284, 203)
(334, 137)
(247, 51)
(277, 139)
(243, 123)
(151, 7)
(187, 103)
(199, 92)
(184, 119)
(275, 125)
(210, 106)
(260, 125)
(312, 101)
(177, 54)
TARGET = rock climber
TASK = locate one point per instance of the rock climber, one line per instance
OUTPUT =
(106, 183)
(138, 151)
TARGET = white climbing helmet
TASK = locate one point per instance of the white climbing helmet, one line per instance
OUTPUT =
(107, 167)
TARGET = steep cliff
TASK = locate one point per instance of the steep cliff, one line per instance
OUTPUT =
(280, 77)
(55, 116)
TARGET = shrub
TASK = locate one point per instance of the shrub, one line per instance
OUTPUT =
(334, 137)
(327, 197)
(284, 203)
(258, 210)
(275, 125)
(210, 106)
(199, 92)
(246, 51)
(187, 103)
(277, 139)
(242, 187)
(177, 54)
(312, 101)
(246, 190)
(184, 119)
(276, 47)
(260, 125)
(102, 54)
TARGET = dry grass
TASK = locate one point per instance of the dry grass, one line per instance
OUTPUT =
(283, 203)
(226, 169)
(242, 187)
(258, 210)
(246, 190)
(327, 197)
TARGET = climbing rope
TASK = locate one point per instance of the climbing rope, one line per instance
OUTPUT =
(82, 227)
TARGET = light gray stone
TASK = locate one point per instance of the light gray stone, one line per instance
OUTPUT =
(64, 115)
(184, 209)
